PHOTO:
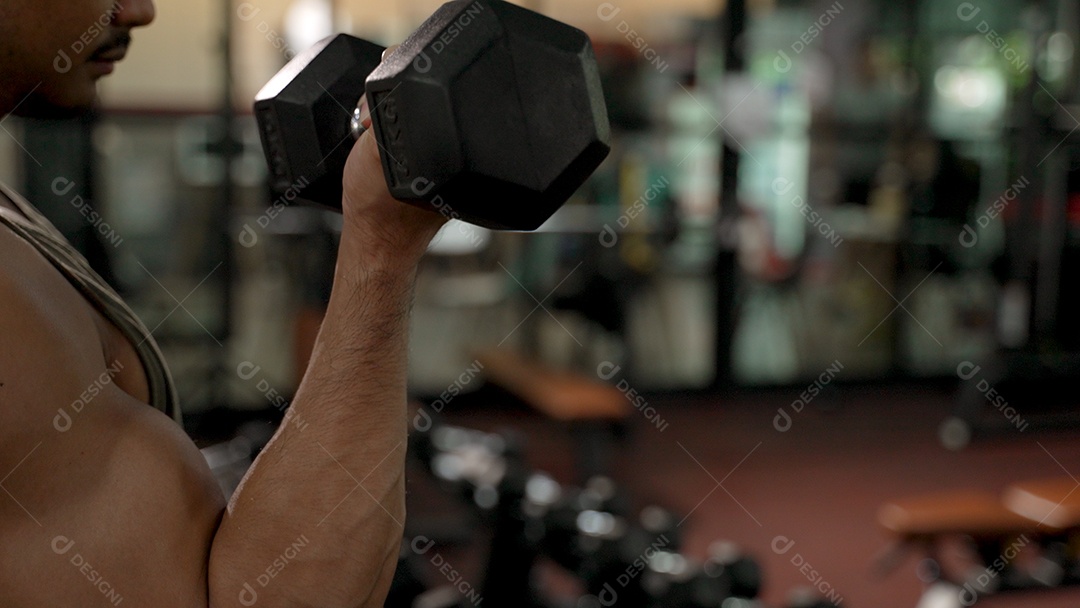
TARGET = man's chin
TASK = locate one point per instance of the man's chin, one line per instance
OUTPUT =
(66, 103)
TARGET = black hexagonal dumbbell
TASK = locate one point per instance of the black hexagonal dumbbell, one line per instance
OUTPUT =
(489, 112)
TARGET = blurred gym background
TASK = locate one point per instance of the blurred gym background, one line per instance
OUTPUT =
(826, 265)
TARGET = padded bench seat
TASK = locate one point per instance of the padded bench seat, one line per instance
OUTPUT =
(561, 395)
(1054, 502)
(591, 408)
(971, 512)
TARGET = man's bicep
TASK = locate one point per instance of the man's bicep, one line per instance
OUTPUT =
(119, 507)
(111, 505)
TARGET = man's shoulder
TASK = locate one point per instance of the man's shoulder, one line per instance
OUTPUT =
(34, 293)
(49, 341)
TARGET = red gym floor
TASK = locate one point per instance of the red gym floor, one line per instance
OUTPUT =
(818, 484)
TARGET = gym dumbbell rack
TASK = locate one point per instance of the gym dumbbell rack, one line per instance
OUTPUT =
(620, 560)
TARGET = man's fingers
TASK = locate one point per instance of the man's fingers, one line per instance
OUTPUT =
(366, 165)
(365, 112)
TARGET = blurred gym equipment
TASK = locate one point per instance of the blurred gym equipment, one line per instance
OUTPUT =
(1023, 541)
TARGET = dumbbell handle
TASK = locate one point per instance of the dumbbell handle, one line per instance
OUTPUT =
(356, 123)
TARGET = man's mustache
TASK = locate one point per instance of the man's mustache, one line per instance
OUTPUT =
(119, 42)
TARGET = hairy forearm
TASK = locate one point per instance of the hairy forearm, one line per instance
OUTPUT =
(318, 520)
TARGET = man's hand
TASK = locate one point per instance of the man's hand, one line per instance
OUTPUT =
(376, 225)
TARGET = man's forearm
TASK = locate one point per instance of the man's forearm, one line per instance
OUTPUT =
(318, 520)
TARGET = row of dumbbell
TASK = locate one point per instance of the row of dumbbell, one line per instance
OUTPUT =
(621, 556)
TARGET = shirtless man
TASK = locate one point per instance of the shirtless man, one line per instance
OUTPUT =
(110, 503)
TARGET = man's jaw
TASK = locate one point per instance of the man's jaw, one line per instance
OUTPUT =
(64, 101)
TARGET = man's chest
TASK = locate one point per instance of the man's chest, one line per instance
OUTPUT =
(123, 366)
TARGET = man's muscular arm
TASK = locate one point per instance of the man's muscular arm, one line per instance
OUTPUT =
(317, 521)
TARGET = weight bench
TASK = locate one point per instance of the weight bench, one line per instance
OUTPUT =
(590, 407)
(920, 522)
(969, 512)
